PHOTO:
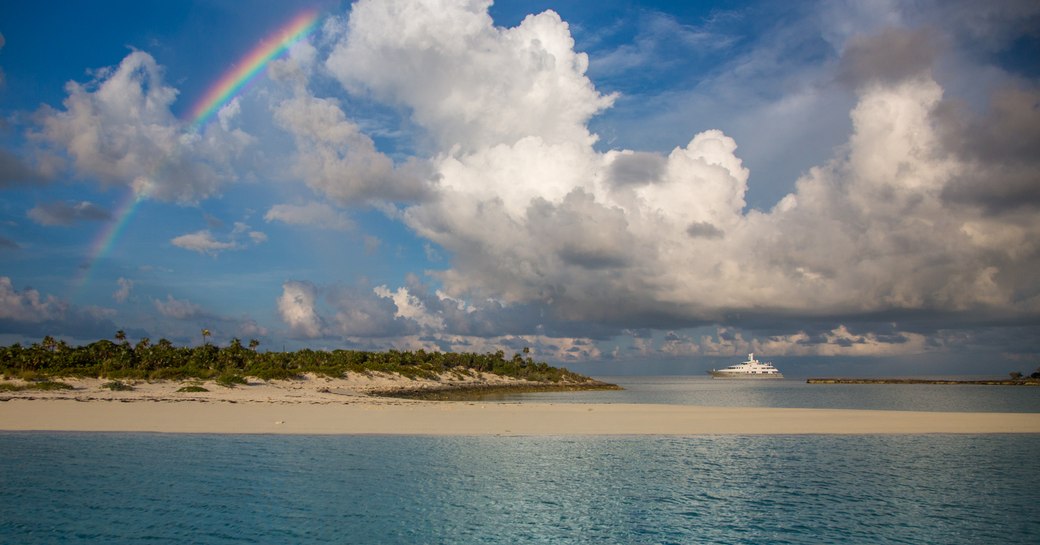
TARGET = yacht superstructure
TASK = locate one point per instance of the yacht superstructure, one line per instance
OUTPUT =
(750, 369)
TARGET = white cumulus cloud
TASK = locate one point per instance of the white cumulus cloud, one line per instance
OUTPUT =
(119, 130)
(531, 212)
(297, 308)
(468, 82)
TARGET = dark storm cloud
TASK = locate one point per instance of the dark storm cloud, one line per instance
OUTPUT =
(1003, 147)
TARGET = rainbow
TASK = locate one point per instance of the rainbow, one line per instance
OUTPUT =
(252, 64)
(102, 245)
(229, 85)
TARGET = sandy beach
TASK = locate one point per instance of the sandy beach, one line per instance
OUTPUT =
(473, 418)
(318, 405)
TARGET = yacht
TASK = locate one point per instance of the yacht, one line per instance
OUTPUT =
(750, 369)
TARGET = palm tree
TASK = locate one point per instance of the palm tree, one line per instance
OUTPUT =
(205, 336)
(253, 343)
(121, 336)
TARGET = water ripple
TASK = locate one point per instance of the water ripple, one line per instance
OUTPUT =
(141, 488)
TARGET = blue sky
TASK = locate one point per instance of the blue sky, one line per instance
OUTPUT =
(624, 187)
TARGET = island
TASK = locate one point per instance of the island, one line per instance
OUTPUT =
(125, 371)
(123, 387)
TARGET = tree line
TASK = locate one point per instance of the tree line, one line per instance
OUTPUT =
(163, 360)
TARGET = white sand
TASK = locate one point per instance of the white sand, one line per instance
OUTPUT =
(352, 387)
(468, 418)
(327, 406)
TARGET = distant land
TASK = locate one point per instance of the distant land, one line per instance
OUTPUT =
(28, 371)
(996, 382)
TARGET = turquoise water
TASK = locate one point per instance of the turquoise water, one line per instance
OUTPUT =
(211, 489)
(704, 391)
(80, 488)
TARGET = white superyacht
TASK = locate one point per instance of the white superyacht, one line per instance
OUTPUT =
(750, 369)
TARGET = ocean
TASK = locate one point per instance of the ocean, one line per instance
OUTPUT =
(73, 488)
(793, 393)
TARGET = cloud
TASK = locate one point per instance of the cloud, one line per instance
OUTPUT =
(353, 313)
(414, 318)
(178, 309)
(534, 216)
(636, 168)
(335, 158)
(251, 329)
(228, 113)
(834, 342)
(67, 213)
(915, 202)
(659, 43)
(119, 130)
(313, 214)
(8, 244)
(14, 170)
(28, 305)
(125, 287)
(361, 312)
(888, 57)
(30, 313)
(1001, 150)
(481, 85)
(296, 307)
(203, 242)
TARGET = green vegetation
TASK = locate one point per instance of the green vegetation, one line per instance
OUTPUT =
(228, 365)
(229, 380)
(192, 388)
(117, 386)
(1017, 375)
(37, 385)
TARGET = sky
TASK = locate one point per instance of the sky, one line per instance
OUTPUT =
(625, 187)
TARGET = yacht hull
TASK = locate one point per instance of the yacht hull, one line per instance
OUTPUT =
(744, 376)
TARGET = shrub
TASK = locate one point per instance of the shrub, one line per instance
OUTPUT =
(49, 385)
(10, 387)
(229, 380)
(28, 375)
(274, 374)
(192, 388)
(117, 386)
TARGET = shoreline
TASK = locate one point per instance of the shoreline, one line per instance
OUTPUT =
(319, 405)
(383, 416)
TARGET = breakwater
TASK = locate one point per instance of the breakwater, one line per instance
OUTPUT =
(996, 382)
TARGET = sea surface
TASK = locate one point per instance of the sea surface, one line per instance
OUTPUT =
(796, 393)
(791, 489)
